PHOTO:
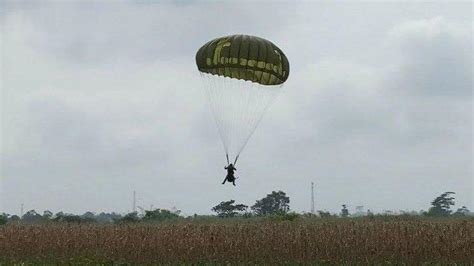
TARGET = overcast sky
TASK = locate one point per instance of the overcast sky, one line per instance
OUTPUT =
(101, 98)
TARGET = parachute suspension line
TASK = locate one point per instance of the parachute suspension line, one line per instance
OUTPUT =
(227, 156)
(266, 102)
(236, 158)
(211, 93)
(219, 102)
(238, 107)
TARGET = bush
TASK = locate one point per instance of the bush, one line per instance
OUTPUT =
(129, 218)
(285, 216)
(3, 219)
(159, 215)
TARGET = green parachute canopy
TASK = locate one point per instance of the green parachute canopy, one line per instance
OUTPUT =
(244, 57)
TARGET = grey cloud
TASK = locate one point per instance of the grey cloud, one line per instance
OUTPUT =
(102, 106)
(436, 58)
(136, 32)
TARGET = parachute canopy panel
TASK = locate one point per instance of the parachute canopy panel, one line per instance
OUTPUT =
(244, 57)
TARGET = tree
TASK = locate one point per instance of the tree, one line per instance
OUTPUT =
(441, 205)
(463, 211)
(107, 217)
(47, 214)
(227, 209)
(3, 218)
(274, 203)
(324, 214)
(129, 218)
(14, 219)
(88, 216)
(344, 211)
(32, 217)
(69, 218)
(159, 215)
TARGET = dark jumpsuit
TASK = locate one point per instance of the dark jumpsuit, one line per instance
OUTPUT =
(230, 174)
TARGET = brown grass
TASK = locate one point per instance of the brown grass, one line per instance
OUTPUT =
(411, 241)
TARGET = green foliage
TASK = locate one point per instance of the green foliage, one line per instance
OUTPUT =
(70, 218)
(129, 218)
(441, 205)
(325, 214)
(107, 217)
(3, 219)
(47, 215)
(247, 215)
(227, 209)
(32, 216)
(159, 215)
(14, 219)
(461, 212)
(274, 203)
(292, 216)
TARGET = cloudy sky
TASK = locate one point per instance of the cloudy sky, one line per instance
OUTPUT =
(102, 98)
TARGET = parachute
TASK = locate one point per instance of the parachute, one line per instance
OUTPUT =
(242, 75)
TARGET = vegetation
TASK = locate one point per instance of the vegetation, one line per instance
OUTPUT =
(274, 203)
(304, 240)
(228, 209)
(441, 206)
(270, 234)
(3, 219)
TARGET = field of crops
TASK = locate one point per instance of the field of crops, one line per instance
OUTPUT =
(310, 240)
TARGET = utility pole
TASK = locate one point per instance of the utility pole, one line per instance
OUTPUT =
(312, 198)
(21, 210)
(134, 208)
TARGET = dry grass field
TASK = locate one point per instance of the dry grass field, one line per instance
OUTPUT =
(304, 241)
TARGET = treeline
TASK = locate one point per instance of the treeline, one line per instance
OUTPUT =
(32, 217)
(274, 206)
(277, 203)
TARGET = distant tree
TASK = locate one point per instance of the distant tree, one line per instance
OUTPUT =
(69, 218)
(463, 211)
(441, 205)
(32, 216)
(14, 218)
(47, 214)
(159, 215)
(274, 203)
(324, 214)
(88, 216)
(344, 211)
(227, 209)
(129, 218)
(3, 218)
(107, 217)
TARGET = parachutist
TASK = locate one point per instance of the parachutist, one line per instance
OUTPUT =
(230, 174)
(244, 75)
